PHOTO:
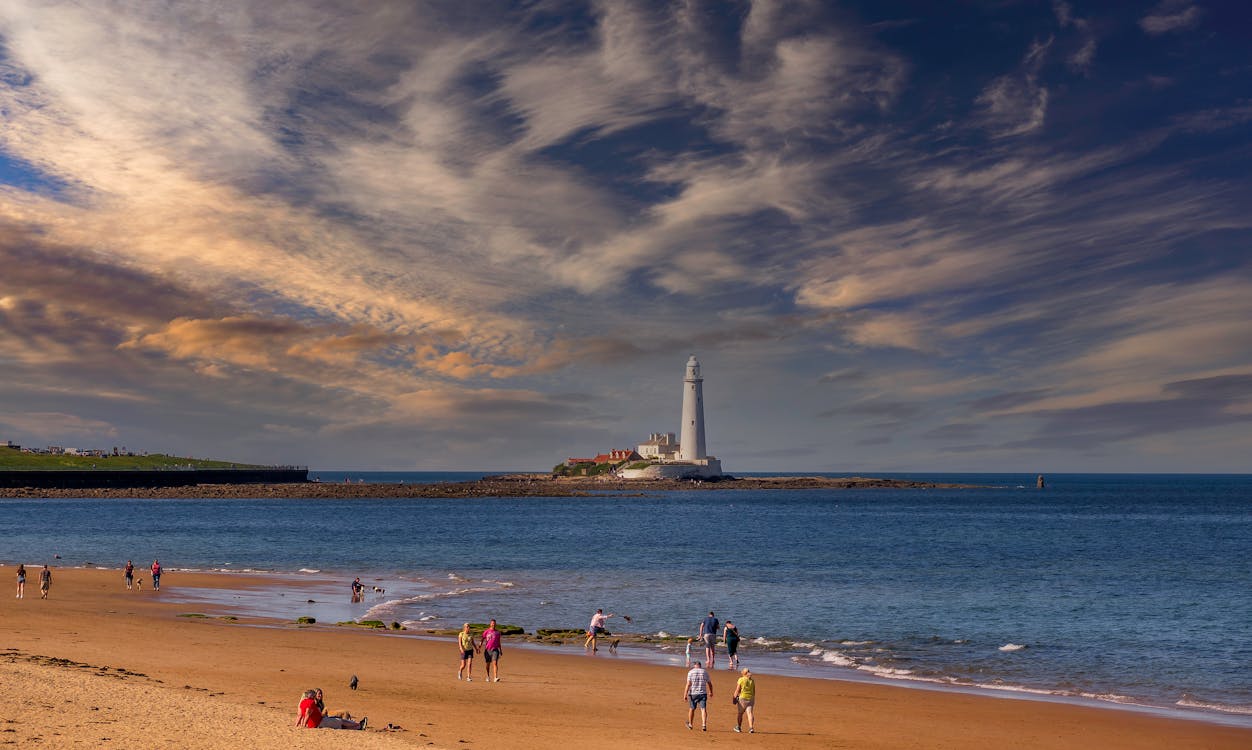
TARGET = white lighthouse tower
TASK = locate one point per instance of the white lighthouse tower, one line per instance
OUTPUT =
(691, 440)
(691, 460)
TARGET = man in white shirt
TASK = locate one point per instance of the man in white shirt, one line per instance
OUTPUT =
(697, 692)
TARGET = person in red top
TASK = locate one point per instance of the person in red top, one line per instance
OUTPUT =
(311, 716)
(156, 576)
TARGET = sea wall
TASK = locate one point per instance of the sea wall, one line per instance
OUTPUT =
(706, 469)
(70, 478)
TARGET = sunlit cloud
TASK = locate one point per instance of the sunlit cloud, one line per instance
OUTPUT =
(436, 231)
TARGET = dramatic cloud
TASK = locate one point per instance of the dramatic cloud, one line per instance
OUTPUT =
(415, 235)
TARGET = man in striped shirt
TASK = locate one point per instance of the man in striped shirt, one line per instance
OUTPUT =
(697, 693)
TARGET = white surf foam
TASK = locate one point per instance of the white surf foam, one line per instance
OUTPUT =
(1189, 702)
(1010, 647)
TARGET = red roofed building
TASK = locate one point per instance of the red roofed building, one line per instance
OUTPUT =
(617, 455)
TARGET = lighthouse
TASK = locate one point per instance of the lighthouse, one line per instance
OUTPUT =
(689, 459)
(691, 440)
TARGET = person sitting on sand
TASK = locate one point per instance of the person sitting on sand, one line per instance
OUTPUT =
(311, 716)
(320, 699)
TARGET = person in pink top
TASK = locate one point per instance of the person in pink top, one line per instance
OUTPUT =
(492, 651)
(156, 575)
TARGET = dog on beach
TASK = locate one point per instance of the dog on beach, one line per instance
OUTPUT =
(613, 645)
(139, 583)
(353, 682)
(378, 590)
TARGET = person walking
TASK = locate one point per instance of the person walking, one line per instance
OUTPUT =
(467, 645)
(595, 629)
(129, 572)
(745, 699)
(730, 637)
(156, 575)
(708, 634)
(45, 582)
(697, 692)
(492, 650)
(21, 581)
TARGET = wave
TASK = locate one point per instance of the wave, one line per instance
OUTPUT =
(1011, 647)
(308, 570)
(391, 605)
(1188, 701)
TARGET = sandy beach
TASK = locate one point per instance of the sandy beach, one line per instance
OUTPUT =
(96, 665)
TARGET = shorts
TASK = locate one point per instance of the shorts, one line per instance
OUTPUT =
(700, 700)
(710, 640)
(745, 705)
(467, 654)
(597, 630)
(491, 655)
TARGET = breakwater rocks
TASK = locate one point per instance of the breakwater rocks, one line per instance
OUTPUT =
(508, 485)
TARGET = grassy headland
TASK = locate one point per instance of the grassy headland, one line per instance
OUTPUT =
(13, 460)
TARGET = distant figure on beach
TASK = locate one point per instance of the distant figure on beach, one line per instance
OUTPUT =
(21, 581)
(492, 650)
(129, 572)
(358, 589)
(690, 643)
(156, 575)
(730, 636)
(595, 629)
(45, 582)
(311, 716)
(467, 645)
(708, 634)
(745, 699)
(698, 690)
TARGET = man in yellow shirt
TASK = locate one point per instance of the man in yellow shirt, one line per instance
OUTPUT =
(745, 699)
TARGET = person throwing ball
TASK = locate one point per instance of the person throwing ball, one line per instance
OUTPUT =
(595, 629)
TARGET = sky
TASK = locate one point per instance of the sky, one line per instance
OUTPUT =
(899, 236)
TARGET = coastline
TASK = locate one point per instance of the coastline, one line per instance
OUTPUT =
(251, 676)
(505, 485)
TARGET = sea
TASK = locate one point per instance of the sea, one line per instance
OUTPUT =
(1128, 591)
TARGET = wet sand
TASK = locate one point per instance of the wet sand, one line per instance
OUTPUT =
(99, 666)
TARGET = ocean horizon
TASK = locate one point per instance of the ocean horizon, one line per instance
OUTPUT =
(1119, 589)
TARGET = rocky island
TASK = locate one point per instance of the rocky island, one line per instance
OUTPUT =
(505, 485)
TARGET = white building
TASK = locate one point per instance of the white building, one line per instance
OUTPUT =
(688, 459)
(659, 445)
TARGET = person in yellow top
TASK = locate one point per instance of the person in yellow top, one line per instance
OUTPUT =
(467, 645)
(745, 699)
